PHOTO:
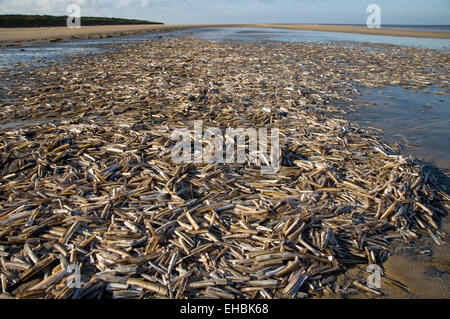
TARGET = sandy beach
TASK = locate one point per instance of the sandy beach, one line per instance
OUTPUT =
(18, 36)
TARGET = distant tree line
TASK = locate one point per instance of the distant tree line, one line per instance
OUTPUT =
(29, 21)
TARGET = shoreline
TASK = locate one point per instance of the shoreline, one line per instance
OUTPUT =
(21, 36)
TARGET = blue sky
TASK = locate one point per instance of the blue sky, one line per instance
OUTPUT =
(245, 11)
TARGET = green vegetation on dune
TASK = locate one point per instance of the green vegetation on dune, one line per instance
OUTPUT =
(28, 21)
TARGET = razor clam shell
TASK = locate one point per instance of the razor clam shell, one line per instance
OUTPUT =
(91, 182)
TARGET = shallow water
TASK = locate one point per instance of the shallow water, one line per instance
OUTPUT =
(267, 34)
(418, 121)
(21, 124)
(40, 54)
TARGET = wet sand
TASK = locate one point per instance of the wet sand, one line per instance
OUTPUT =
(418, 269)
(422, 267)
(17, 36)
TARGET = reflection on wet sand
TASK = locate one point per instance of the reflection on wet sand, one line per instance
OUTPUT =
(418, 121)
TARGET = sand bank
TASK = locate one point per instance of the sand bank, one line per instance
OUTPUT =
(361, 30)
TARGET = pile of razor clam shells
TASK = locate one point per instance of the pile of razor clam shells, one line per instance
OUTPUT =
(88, 185)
